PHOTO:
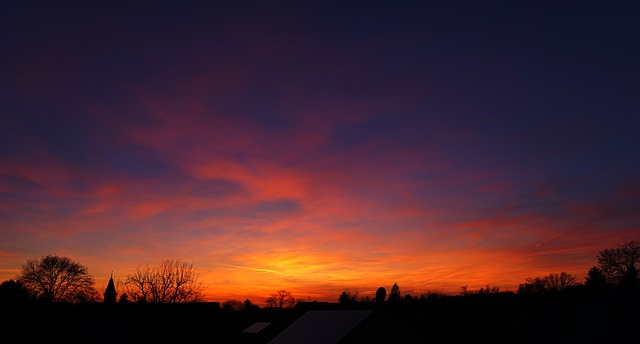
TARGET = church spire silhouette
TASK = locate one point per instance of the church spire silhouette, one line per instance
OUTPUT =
(110, 293)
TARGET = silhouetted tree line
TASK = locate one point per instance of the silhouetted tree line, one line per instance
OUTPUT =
(236, 305)
(53, 278)
(618, 269)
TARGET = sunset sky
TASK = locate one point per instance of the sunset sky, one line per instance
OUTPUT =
(320, 147)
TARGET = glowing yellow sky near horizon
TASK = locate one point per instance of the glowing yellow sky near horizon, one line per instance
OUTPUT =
(299, 157)
(288, 218)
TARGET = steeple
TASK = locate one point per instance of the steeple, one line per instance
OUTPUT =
(110, 292)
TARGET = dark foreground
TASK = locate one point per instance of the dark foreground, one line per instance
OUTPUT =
(493, 318)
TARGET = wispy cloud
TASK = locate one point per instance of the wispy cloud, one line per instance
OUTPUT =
(296, 156)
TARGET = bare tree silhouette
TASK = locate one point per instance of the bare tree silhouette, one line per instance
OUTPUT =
(621, 265)
(172, 281)
(281, 299)
(553, 282)
(58, 279)
(560, 282)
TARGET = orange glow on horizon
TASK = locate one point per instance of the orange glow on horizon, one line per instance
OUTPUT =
(415, 144)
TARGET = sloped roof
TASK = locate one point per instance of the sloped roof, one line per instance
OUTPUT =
(322, 326)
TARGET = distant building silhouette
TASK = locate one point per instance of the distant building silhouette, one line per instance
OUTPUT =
(110, 293)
